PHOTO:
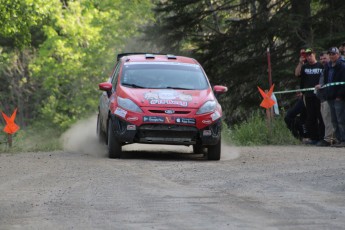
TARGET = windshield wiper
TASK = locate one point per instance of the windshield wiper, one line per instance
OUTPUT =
(170, 87)
(133, 85)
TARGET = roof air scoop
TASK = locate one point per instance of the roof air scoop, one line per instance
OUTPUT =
(149, 56)
(171, 56)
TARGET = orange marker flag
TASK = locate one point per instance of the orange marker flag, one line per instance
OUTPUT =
(268, 102)
(10, 127)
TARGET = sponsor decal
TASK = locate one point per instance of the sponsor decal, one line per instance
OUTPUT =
(151, 96)
(207, 122)
(185, 97)
(169, 102)
(132, 118)
(154, 119)
(120, 112)
(207, 133)
(183, 120)
(168, 97)
(215, 115)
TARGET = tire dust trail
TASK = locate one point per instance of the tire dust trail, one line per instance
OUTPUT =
(82, 138)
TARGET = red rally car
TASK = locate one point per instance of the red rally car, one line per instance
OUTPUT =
(160, 99)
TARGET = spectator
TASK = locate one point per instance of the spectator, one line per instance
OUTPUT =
(329, 137)
(310, 76)
(335, 95)
(302, 61)
(295, 118)
(342, 50)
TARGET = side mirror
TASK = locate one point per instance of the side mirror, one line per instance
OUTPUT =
(219, 89)
(105, 86)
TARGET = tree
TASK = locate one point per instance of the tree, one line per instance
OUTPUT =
(61, 51)
(80, 48)
(230, 39)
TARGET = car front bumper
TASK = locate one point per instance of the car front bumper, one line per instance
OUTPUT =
(172, 134)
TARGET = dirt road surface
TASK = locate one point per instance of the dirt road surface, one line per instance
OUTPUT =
(166, 187)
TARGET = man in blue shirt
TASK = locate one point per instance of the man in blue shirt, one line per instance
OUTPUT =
(335, 94)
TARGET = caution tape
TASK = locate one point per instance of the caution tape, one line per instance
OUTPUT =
(309, 89)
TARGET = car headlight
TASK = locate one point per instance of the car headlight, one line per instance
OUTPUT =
(207, 107)
(128, 104)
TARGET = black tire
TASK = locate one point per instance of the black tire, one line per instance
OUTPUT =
(100, 134)
(214, 152)
(114, 146)
(198, 149)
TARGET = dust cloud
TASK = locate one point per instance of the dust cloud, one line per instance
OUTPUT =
(82, 138)
(229, 152)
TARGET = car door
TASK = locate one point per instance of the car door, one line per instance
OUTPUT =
(105, 97)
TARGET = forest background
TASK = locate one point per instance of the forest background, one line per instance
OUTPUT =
(53, 53)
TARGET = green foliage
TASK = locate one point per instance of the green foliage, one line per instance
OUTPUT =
(82, 41)
(54, 53)
(257, 131)
(18, 17)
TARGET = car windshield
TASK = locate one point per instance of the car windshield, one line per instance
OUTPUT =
(164, 76)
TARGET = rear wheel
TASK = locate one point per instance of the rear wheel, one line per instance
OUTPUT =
(114, 146)
(100, 134)
(214, 152)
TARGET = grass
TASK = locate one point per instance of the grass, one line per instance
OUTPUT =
(32, 139)
(257, 131)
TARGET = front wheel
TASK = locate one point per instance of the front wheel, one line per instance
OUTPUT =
(198, 149)
(114, 146)
(214, 152)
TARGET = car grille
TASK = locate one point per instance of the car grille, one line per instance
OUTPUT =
(163, 111)
(168, 134)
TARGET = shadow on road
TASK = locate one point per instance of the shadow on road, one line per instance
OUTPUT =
(162, 155)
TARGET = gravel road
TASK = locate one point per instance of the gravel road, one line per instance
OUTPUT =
(167, 187)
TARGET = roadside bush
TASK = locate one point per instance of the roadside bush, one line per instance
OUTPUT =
(256, 131)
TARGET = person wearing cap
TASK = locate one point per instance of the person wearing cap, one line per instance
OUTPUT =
(335, 93)
(310, 76)
(329, 137)
(301, 62)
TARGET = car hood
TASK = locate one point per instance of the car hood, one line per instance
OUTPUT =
(168, 97)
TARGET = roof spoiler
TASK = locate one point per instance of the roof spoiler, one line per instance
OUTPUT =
(148, 55)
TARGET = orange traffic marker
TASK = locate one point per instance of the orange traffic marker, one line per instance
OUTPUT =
(10, 127)
(268, 102)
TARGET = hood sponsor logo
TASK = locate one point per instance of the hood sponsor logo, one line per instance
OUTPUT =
(169, 102)
(185, 97)
(168, 97)
(153, 119)
(151, 96)
(120, 112)
(167, 94)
